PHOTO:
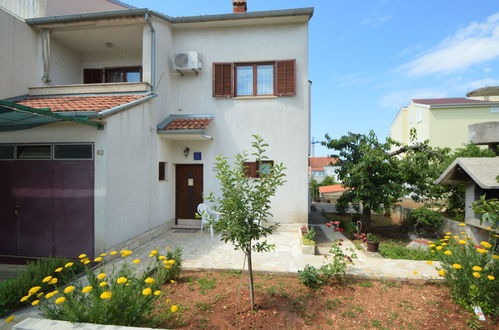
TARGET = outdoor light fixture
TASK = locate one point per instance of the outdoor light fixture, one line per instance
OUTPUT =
(186, 151)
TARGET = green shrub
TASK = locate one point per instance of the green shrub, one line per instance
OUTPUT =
(372, 238)
(392, 250)
(315, 278)
(471, 271)
(306, 241)
(13, 289)
(310, 234)
(426, 221)
(120, 297)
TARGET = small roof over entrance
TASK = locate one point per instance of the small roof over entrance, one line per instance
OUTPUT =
(185, 127)
(14, 117)
(484, 171)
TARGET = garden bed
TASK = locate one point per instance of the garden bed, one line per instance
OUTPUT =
(219, 300)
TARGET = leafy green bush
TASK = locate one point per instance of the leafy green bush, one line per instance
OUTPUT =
(315, 278)
(310, 234)
(392, 250)
(120, 297)
(11, 290)
(471, 270)
(426, 221)
(372, 238)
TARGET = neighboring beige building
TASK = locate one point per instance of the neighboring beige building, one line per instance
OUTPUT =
(444, 121)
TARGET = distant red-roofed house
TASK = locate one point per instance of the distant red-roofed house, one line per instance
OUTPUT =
(330, 194)
(444, 121)
(320, 167)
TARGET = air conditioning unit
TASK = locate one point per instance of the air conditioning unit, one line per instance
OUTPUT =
(187, 62)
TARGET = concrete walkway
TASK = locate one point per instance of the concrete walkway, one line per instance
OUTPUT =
(202, 252)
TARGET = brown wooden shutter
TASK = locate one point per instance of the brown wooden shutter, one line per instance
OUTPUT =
(251, 169)
(222, 79)
(92, 76)
(286, 77)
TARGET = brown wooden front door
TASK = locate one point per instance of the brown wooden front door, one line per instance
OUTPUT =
(189, 190)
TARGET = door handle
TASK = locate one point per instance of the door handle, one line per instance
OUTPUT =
(17, 209)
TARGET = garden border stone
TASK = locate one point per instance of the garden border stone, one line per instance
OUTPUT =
(43, 324)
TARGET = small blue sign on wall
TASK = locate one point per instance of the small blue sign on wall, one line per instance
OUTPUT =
(197, 155)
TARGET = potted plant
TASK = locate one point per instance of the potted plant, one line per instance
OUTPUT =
(372, 242)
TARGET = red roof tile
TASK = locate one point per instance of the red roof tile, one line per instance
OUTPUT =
(333, 188)
(188, 123)
(451, 100)
(318, 163)
(79, 103)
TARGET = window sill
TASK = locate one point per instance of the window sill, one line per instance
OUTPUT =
(255, 97)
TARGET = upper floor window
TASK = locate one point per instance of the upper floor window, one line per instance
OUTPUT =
(111, 75)
(277, 78)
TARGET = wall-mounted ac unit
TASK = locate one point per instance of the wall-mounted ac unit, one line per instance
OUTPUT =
(187, 62)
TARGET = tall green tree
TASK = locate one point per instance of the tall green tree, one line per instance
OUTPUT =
(368, 170)
(245, 204)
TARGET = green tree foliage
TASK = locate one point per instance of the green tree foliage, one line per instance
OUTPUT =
(245, 204)
(366, 167)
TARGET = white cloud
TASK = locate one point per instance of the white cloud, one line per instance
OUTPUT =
(470, 45)
(375, 20)
(402, 98)
(478, 84)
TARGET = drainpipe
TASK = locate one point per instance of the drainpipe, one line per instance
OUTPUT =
(112, 111)
(153, 51)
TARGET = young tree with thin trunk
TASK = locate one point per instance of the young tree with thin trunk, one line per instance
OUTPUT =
(245, 205)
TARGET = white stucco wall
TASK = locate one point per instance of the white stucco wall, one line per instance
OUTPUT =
(18, 56)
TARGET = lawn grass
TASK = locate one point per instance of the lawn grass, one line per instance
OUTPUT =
(394, 250)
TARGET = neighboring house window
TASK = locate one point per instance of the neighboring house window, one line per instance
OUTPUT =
(419, 115)
(162, 175)
(110, 75)
(253, 169)
(277, 78)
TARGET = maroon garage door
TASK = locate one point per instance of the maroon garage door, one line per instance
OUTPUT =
(46, 200)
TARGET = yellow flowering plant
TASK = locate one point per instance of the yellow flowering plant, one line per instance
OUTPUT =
(470, 271)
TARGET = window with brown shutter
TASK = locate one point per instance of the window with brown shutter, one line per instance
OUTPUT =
(253, 169)
(222, 79)
(162, 171)
(286, 77)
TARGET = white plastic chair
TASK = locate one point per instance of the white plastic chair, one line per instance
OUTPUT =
(208, 216)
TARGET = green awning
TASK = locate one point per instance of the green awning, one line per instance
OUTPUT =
(14, 117)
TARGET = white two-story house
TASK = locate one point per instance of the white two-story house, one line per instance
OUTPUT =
(111, 117)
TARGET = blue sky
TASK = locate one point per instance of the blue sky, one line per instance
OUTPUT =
(368, 57)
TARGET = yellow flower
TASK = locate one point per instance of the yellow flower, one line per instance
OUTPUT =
(23, 299)
(34, 290)
(462, 241)
(168, 301)
(136, 261)
(51, 294)
(462, 224)
(432, 251)
(174, 308)
(87, 289)
(432, 245)
(495, 256)
(101, 276)
(9, 319)
(35, 302)
(121, 280)
(462, 232)
(445, 244)
(47, 279)
(154, 252)
(103, 254)
(113, 253)
(476, 274)
(172, 281)
(125, 253)
(39, 294)
(488, 228)
(482, 251)
(448, 252)
(448, 233)
(477, 268)
(81, 256)
(151, 255)
(486, 244)
(106, 295)
(491, 277)
(457, 266)
(429, 242)
(162, 257)
(53, 281)
(98, 259)
(440, 247)
(57, 270)
(86, 262)
(69, 289)
(455, 236)
(149, 280)
(60, 300)
(146, 291)
(414, 272)
(172, 261)
(102, 283)
(157, 293)
(168, 266)
(429, 262)
(446, 238)
(69, 264)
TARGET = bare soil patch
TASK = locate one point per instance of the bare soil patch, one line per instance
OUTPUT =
(219, 300)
